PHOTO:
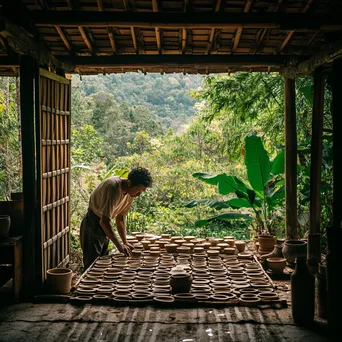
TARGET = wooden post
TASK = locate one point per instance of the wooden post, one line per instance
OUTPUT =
(337, 142)
(334, 233)
(28, 70)
(314, 250)
(290, 160)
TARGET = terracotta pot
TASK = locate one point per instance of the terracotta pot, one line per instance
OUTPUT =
(240, 245)
(171, 247)
(276, 265)
(278, 251)
(181, 282)
(5, 224)
(146, 244)
(58, 280)
(294, 249)
(266, 243)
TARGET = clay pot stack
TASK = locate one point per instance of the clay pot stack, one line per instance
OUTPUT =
(168, 270)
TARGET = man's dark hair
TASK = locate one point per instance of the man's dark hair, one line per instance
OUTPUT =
(140, 176)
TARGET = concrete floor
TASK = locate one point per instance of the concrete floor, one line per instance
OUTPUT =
(66, 322)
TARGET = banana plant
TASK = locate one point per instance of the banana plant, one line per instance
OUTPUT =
(263, 195)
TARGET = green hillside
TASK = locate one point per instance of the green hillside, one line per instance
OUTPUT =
(166, 96)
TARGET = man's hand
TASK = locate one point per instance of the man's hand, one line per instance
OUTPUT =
(125, 249)
(129, 245)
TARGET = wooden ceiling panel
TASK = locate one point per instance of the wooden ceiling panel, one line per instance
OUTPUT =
(225, 27)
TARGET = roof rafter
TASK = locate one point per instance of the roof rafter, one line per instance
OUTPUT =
(239, 30)
(184, 36)
(86, 39)
(291, 33)
(64, 38)
(100, 5)
(158, 38)
(111, 39)
(134, 39)
(184, 39)
(212, 33)
(262, 33)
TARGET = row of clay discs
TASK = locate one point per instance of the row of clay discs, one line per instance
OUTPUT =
(147, 266)
(186, 244)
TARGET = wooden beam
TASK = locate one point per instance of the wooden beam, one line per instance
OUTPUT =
(64, 38)
(290, 160)
(28, 73)
(328, 54)
(184, 38)
(316, 152)
(23, 43)
(70, 4)
(158, 38)
(111, 39)
(314, 249)
(334, 232)
(337, 141)
(282, 21)
(157, 30)
(273, 7)
(155, 5)
(285, 41)
(212, 33)
(100, 5)
(86, 39)
(126, 6)
(178, 61)
(291, 33)
(134, 39)
(239, 30)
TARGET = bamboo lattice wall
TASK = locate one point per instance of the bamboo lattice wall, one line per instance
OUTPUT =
(55, 103)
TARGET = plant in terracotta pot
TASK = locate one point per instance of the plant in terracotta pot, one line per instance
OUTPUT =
(263, 197)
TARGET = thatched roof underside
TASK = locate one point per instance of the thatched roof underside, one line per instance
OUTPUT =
(188, 36)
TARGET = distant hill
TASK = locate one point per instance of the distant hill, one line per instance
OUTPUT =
(166, 96)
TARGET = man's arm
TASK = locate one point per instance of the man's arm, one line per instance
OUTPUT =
(108, 229)
(120, 226)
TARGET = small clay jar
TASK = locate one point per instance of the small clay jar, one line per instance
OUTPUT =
(171, 247)
(140, 236)
(240, 245)
(181, 282)
(146, 243)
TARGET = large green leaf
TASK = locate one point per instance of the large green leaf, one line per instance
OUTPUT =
(257, 163)
(227, 185)
(240, 184)
(237, 203)
(208, 178)
(278, 164)
(210, 203)
(224, 216)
